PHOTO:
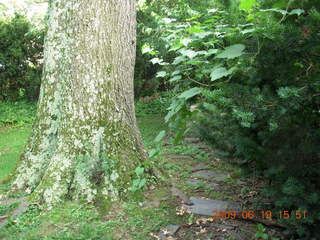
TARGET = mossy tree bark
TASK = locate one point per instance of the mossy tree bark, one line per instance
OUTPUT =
(85, 142)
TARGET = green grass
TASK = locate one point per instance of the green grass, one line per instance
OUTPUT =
(70, 220)
(143, 213)
(135, 219)
(149, 127)
(12, 142)
(17, 113)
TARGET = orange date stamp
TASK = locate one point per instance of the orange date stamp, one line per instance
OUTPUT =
(259, 214)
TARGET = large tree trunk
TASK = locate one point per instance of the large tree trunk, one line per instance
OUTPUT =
(85, 142)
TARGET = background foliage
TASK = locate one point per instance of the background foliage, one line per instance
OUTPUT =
(246, 75)
(21, 48)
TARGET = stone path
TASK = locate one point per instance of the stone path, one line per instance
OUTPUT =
(206, 178)
(199, 166)
(198, 183)
(218, 176)
(22, 208)
(206, 207)
(169, 231)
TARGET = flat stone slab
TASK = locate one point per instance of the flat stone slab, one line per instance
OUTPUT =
(206, 207)
(199, 166)
(183, 197)
(199, 183)
(22, 208)
(179, 157)
(218, 176)
(170, 230)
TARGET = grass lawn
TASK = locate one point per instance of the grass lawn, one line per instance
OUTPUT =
(12, 142)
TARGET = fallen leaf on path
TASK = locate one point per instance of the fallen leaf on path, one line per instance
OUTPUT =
(154, 235)
(182, 211)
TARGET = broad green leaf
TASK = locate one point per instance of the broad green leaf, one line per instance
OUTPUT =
(261, 228)
(174, 108)
(190, 93)
(247, 5)
(160, 136)
(139, 171)
(170, 114)
(212, 51)
(156, 60)
(220, 72)
(195, 62)
(176, 72)
(195, 29)
(175, 78)
(232, 51)
(202, 53)
(189, 53)
(176, 47)
(202, 35)
(179, 60)
(161, 74)
(146, 49)
(186, 41)
(297, 12)
(142, 182)
(265, 236)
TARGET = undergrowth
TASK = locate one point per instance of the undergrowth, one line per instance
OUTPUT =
(17, 113)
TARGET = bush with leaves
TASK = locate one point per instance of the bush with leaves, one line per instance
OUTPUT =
(250, 84)
(153, 17)
(16, 113)
(21, 48)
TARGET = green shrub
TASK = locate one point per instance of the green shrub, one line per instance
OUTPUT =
(254, 80)
(153, 105)
(21, 48)
(269, 115)
(153, 18)
(18, 113)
